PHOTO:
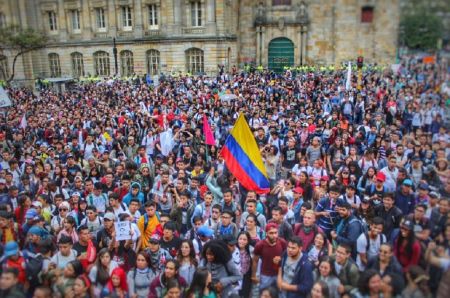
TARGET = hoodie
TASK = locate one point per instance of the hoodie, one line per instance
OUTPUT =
(140, 195)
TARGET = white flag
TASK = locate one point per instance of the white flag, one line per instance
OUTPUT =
(348, 83)
(167, 143)
(23, 122)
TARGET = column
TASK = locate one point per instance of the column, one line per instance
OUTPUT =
(112, 20)
(177, 17)
(258, 45)
(62, 21)
(86, 21)
(211, 16)
(304, 41)
(138, 26)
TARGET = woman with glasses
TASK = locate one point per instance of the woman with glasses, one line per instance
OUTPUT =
(385, 263)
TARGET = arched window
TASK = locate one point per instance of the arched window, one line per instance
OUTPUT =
(55, 66)
(101, 63)
(4, 70)
(194, 61)
(153, 62)
(77, 64)
(126, 63)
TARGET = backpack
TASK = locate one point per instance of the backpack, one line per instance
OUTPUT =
(382, 240)
(33, 268)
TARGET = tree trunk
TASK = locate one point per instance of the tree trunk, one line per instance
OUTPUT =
(14, 66)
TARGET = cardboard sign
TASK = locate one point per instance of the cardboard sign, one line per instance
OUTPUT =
(123, 230)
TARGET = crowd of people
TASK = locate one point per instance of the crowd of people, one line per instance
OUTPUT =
(110, 190)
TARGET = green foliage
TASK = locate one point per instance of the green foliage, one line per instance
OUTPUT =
(421, 31)
(21, 39)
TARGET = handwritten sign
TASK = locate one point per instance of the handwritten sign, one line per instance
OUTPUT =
(123, 231)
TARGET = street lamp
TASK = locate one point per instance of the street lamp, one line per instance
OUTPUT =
(115, 56)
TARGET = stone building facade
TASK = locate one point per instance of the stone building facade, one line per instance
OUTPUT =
(196, 36)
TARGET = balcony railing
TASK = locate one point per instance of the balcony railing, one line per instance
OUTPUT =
(193, 30)
(151, 33)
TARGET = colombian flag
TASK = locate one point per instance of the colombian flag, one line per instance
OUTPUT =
(243, 159)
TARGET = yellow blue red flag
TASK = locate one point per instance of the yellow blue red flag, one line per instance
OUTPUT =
(243, 159)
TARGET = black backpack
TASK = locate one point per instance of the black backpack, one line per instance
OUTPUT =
(33, 269)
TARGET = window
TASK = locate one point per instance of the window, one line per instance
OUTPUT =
(281, 2)
(367, 14)
(100, 18)
(52, 21)
(153, 16)
(4, 71)
(126, 18)
(196, 14)
(75, 18)
(77, 65)
(101, 63)
(55, 67)
(153, 62)
(2, 20)
(194, 61)
(126, 63)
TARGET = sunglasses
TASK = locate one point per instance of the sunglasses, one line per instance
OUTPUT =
(63, 209)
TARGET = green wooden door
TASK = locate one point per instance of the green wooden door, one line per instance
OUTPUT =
(281, 54)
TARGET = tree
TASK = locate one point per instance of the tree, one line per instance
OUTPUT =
(421, 31)
(20, 41)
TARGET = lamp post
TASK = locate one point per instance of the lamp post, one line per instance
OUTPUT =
(115, 56)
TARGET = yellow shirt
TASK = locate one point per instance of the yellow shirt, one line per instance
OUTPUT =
(147, 231)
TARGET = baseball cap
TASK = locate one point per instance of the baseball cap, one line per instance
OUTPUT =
(11, 248)
(155, 238)
(424, 186)
(381, 177)
(365, 200)
(434, 195)
(408, 224)
(407, 182)
(31, 213)
(109, 216)
(325, 178)
(76, 194)
(298, 189)
(64, 205)
(35, 230)
(204, 231)
(271, 225)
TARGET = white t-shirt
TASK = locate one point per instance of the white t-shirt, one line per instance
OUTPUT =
(373, 251)
(62, 261)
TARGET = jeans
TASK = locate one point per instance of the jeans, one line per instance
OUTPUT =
(266, 281)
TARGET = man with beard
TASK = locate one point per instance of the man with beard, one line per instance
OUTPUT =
(158, 255)
(269, 251)
(295, 275)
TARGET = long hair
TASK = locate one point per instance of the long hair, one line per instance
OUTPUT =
(364, 278)
(219, 250)
(410, 239)
(164, 280)
(192, 258)
(198, 281)
(102, 273)
(119, 272)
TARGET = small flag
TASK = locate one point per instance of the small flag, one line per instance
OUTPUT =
(348, 83)
(167, 143)
(209, 137)
(23, 122)
(242, 157)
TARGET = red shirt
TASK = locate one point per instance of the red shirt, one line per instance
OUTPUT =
(267, 253)
(403, 258)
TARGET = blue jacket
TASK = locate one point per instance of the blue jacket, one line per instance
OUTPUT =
(348, 231)
(404, 202)
(303, 277)
(140, 195)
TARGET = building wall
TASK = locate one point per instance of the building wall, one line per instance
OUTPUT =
(233, 32)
